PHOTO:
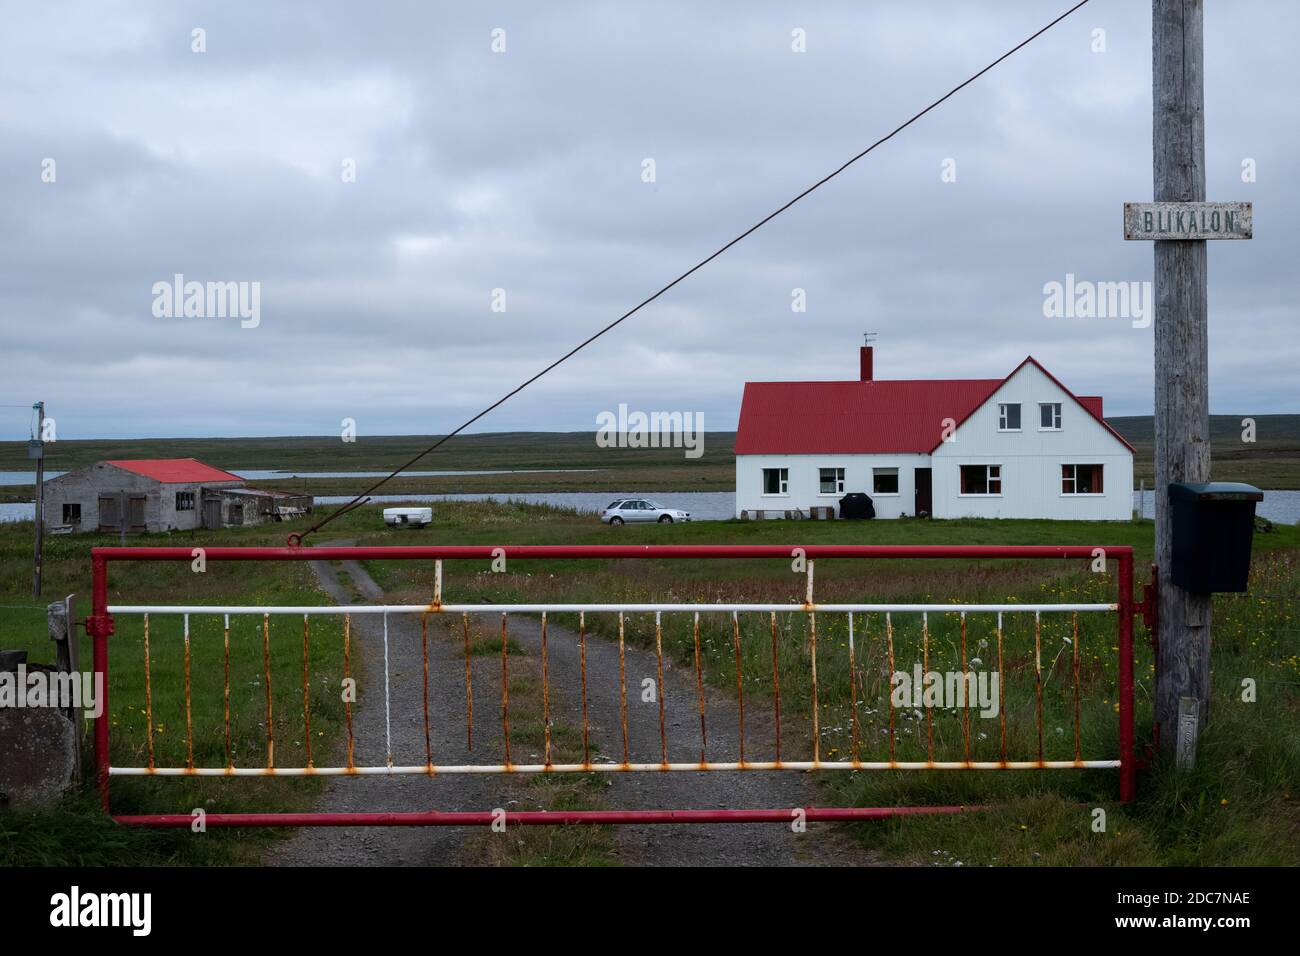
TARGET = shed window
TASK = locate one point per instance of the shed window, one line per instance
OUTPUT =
(832, 481)
(72, 514)
(884, 481)
(184, 501)
(776, 481)
(981, 479)
(1081, 479)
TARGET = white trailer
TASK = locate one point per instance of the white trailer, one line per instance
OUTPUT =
(412, 517)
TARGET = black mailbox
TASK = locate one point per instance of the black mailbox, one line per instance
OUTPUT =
(1212, 523)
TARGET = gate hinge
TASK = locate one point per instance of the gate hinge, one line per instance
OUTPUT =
(99, 624)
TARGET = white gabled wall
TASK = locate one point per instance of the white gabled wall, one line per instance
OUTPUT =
(805, 482)
(1031, 459)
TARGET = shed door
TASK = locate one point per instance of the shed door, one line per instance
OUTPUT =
(135, 508)
(108, 513)
(212, 513)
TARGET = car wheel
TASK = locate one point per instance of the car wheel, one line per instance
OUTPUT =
(666, 519)
(615, 521)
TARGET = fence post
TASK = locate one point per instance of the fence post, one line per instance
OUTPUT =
(100, 626)
(1127, 767)
(67, 657)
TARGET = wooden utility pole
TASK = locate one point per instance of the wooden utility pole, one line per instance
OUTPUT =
(1180, 221)
(37, 448)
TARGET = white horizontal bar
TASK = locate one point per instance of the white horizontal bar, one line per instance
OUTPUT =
(610, 768)
(325, 609)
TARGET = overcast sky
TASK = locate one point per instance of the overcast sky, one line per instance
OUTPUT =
(523, 170)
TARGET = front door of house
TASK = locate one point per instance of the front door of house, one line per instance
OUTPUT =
(923, 502)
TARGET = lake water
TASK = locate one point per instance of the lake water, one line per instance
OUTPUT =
(1280, 506)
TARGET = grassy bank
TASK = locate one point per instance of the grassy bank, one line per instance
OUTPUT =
(78, 834)
(1238, 806)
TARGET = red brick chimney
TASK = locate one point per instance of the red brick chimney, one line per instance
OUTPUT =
(865, 361)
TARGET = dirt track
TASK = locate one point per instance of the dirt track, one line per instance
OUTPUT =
(658, 845)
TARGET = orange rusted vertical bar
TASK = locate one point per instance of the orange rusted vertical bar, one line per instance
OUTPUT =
(189, 722)
(546, 697)
(925, 669)
(148, 695)
(740, 686)
(306, 690)
(1038, 677)
(424, 660)
(663, 692)
(225, 640)
(889, 641)
(505, 691)
(965, 693)
(1002, 693)
(816, 710)
(699, 689)
(1078, 720)
(347, 677)
(776, 691)
(853, 692)
(469, 686)
(622, 688)
(582, 657)
(266, 669)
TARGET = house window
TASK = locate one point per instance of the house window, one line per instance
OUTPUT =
(981, 479)
(1049, 416)
(184, 501)
(1009, 418)
(884, 481)
(72, 514)
(776, 481)
(1081, 480)
(831, 481)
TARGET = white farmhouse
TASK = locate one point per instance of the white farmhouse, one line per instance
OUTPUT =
(1023, 446)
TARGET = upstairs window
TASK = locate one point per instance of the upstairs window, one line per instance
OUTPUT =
(831, 481)
(1009, 418)
(884, 481)
(981, 479)
(776, 481)
(1049, 416)
(1081, 480)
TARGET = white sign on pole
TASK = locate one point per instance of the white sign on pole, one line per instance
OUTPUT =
(1188, 220)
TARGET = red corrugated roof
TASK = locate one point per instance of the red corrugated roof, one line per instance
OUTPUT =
(173, 470)
(866, 418)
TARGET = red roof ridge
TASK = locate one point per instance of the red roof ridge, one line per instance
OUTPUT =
(173, 470)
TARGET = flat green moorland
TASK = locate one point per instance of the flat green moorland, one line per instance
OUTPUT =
(1239, 806)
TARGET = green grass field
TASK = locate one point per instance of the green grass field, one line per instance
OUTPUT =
(1238, 806)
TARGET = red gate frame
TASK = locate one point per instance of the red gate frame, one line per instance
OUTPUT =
(100, 626)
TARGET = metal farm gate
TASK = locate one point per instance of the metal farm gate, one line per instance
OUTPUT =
(881, 753)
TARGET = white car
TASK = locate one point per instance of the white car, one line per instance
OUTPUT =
(408, 517)
(641, 509)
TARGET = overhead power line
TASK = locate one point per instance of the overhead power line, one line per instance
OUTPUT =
(361, 498)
